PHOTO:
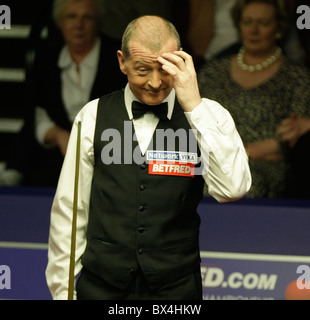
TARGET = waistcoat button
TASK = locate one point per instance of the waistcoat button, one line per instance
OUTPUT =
(141, 208)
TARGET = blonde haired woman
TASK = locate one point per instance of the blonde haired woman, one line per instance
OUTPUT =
(260, 86)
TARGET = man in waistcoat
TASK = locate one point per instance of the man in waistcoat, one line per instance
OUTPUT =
(145, 154)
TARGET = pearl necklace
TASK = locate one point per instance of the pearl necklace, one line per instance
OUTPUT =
(259, 66)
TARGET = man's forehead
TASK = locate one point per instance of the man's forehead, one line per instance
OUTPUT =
(140, 52)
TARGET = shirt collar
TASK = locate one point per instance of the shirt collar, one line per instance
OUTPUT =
(129, 97)
(91, 60)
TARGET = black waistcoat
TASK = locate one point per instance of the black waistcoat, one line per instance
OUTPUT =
(138, 219)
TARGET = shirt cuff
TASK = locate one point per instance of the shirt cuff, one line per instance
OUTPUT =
(202, 115)
(43, 123)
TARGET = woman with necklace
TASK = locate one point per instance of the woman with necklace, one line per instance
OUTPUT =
(260, 87)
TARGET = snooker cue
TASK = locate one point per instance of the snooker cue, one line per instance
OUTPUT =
(74, 216)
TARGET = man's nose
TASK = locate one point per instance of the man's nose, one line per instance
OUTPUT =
(155, 80)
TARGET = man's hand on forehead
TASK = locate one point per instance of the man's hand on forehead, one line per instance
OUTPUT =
(180, 66)
(173, 62)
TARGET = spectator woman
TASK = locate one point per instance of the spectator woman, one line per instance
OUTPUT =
(260, 86)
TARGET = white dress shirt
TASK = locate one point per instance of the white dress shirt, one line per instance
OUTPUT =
(76, 85)
(228, 176)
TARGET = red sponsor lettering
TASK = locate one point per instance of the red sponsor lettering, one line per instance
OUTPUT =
(172, 168)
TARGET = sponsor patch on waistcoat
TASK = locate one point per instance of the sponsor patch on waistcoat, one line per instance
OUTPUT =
(172, 163)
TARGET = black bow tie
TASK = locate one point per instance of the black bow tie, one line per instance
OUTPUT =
(139, 109)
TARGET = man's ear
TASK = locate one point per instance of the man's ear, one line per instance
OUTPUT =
(121, 61)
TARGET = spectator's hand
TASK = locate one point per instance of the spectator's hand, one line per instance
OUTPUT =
(181, 67)
(292, 128)
(58, 137)
(266, 150)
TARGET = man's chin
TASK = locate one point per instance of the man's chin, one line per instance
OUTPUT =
(155, 97)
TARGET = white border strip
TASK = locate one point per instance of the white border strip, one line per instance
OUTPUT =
(23, 245)
(16, 31)
(12, 75)
(11, 125)
(254, 256)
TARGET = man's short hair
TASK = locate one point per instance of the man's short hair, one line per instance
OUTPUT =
(154, 31)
